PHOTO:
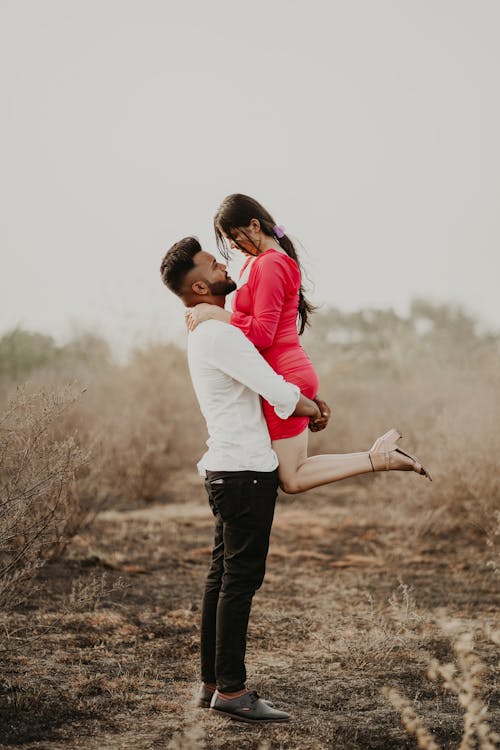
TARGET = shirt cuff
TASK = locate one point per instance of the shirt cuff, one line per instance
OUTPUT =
(284, 411)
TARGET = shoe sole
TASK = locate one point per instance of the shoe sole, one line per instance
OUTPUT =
(206, 704)
(423, 471)
(235, 717)
(395, 435)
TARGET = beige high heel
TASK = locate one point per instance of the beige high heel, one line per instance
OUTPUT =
(380, 458)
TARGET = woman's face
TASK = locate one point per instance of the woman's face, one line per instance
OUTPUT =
(247, 239)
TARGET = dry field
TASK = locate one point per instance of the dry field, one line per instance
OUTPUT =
(356, 593)
(375, 587)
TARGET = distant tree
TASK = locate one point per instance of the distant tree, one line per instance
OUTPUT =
(381, 339)
(450, 327)
(87, 348)
(23, 352)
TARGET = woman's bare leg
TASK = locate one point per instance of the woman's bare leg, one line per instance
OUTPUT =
(299, 473)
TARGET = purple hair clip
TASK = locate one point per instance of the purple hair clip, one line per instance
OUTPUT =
(279, 231)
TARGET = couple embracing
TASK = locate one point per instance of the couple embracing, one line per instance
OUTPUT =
(258, 392)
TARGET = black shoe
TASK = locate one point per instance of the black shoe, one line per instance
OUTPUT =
(248, 707)
(206, 694)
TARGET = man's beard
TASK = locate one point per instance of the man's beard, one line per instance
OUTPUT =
(221, 288)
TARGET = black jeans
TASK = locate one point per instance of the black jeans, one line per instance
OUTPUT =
(243, 505)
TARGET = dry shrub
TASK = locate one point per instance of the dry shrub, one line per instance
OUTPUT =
(373, 640)
(140, 422)
(403, 608)
(87, 594)
(410, 720)
(433, 374)
(84, 598)
(375, 635)
(446, 404)
(38, 511)
(66, 450)
(465, 680)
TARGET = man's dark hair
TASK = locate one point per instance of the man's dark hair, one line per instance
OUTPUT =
(177, 262)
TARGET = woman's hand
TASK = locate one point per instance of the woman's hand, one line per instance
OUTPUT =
(199, 313)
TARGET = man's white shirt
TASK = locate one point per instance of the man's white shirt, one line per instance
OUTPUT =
(228, 375)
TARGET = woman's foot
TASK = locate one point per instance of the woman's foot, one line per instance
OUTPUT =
(384, 455)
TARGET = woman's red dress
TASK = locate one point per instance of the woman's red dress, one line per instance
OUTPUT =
(265, 309)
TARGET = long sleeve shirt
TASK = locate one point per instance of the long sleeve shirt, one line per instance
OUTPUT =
(229, 375)
(266, 304)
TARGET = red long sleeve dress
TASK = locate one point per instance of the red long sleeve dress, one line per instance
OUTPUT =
(265, 309)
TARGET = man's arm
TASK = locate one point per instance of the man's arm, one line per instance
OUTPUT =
(235, 355)
(306, 408)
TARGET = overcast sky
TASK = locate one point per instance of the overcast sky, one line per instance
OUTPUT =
(369, 128)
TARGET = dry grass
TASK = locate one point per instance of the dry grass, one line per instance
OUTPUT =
(465, 680)
(120, 670)
(101, 643)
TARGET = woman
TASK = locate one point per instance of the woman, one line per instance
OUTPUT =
(266, 306)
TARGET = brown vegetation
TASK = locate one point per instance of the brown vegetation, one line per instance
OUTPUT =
(105, 534)
(38, 511)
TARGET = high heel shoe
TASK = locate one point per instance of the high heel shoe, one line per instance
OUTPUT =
(380, 454)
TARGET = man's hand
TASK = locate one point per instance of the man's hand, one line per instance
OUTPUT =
(319, 423)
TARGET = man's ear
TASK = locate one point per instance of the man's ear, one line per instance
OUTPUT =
(200, 287)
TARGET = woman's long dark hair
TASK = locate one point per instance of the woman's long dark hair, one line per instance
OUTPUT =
(238, 210)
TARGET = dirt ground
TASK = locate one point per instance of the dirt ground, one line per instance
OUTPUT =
(355, 597)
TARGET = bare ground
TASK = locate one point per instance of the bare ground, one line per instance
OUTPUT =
(106, 654)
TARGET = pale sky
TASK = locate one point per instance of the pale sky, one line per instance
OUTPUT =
(369, 128)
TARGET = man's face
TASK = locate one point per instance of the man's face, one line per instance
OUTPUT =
(214, 274)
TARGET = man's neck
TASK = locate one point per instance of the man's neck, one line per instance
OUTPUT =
(219, 300)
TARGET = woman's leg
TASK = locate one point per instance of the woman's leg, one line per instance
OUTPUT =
(298, 472)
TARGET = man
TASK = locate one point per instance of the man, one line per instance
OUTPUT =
(241, 476)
